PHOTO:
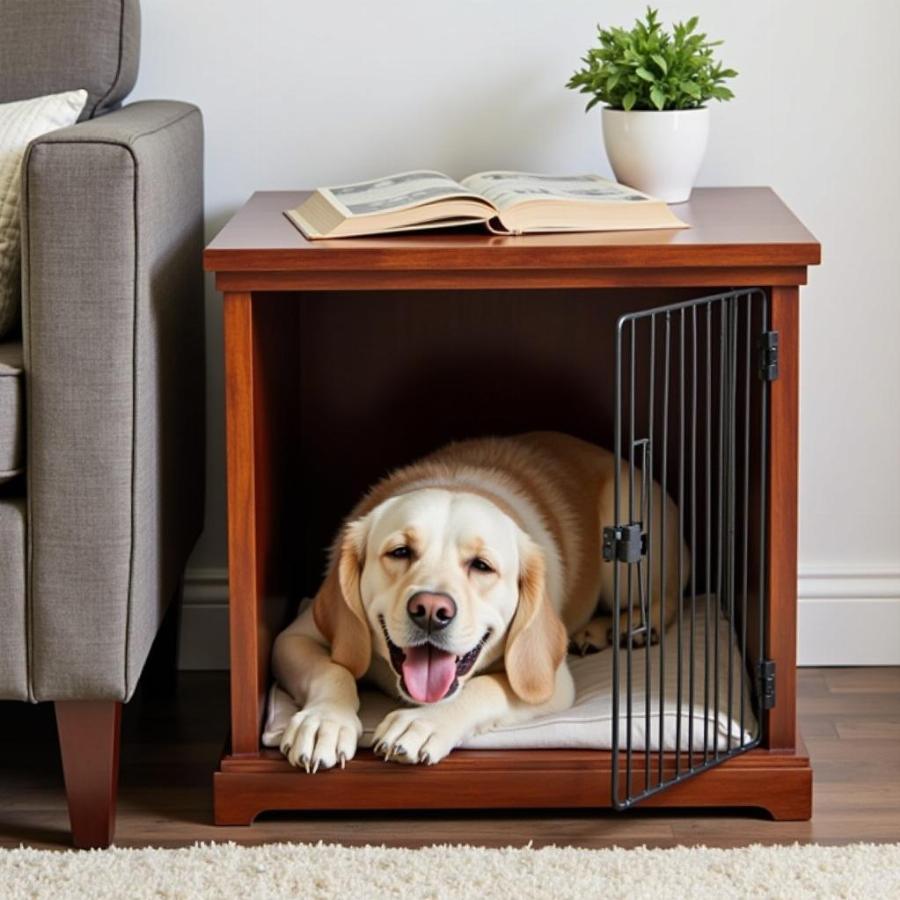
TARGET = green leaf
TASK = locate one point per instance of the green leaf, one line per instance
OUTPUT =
(661, 62)
(647, 66)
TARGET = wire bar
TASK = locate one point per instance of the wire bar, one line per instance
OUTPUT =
(693, 528)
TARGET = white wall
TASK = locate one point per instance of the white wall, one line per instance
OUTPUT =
(298, 93)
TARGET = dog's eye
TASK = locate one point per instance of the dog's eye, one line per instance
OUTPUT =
(480, 565)
(402, 552)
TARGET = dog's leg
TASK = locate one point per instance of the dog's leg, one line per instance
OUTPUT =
(642, 632)
(426, 734)
(594, 637)
(325, 731)
(602, 630)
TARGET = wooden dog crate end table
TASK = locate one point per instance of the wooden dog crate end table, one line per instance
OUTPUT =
(320, 338)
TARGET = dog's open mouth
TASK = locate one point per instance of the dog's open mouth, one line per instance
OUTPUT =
(428, 673)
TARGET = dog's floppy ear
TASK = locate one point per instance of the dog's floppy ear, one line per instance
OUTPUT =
(338, 609)
(536, 644)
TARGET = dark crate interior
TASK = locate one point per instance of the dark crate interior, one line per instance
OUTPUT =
(362, 383)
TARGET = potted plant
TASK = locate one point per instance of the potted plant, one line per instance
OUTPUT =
(655, 85)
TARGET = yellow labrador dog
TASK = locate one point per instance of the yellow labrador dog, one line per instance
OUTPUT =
(456, 585)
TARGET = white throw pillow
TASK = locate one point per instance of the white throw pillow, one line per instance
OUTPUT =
(20, 123)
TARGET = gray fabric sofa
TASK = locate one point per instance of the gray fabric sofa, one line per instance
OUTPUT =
(101, 394)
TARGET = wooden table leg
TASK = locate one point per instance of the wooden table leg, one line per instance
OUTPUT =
(781, 637)
(247, 475)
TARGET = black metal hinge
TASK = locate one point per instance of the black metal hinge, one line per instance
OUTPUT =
(768, 355)
(766, 676)
(624, 543)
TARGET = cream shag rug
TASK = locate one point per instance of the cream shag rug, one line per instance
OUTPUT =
(306, 871)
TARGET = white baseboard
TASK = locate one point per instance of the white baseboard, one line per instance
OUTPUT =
(204, 620)
(848, 616)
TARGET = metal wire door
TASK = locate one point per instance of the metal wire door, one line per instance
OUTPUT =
(691, 396)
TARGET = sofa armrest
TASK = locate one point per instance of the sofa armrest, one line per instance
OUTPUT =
(114, 367)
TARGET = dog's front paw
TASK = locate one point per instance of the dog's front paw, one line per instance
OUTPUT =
(320, 737)
(415, 736)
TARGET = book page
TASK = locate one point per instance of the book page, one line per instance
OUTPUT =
(393, 192)
(505, 189)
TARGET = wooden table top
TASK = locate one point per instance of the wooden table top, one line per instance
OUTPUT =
(743, 226)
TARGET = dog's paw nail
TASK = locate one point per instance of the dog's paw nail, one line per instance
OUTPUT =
(342, 758)
(315, 767)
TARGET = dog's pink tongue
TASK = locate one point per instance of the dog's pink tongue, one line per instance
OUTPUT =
(428, 672)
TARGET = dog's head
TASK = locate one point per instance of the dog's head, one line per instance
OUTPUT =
(441, 584)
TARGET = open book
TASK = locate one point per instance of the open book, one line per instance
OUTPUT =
(506, 202)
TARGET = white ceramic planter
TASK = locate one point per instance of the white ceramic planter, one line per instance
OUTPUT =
(658, 153)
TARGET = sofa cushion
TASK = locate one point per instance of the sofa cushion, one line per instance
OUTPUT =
(12, 411)
(13, 638)
(50, 46)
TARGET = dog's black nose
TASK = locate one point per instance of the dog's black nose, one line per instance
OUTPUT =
(431, 611)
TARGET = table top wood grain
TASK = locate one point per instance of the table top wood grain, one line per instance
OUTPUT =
(730, 227)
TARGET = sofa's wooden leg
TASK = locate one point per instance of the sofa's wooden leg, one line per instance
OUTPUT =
(89, 746)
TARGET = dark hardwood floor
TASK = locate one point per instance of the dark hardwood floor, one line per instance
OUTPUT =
(850, 719)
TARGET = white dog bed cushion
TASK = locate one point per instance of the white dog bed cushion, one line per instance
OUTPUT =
(588, 723)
